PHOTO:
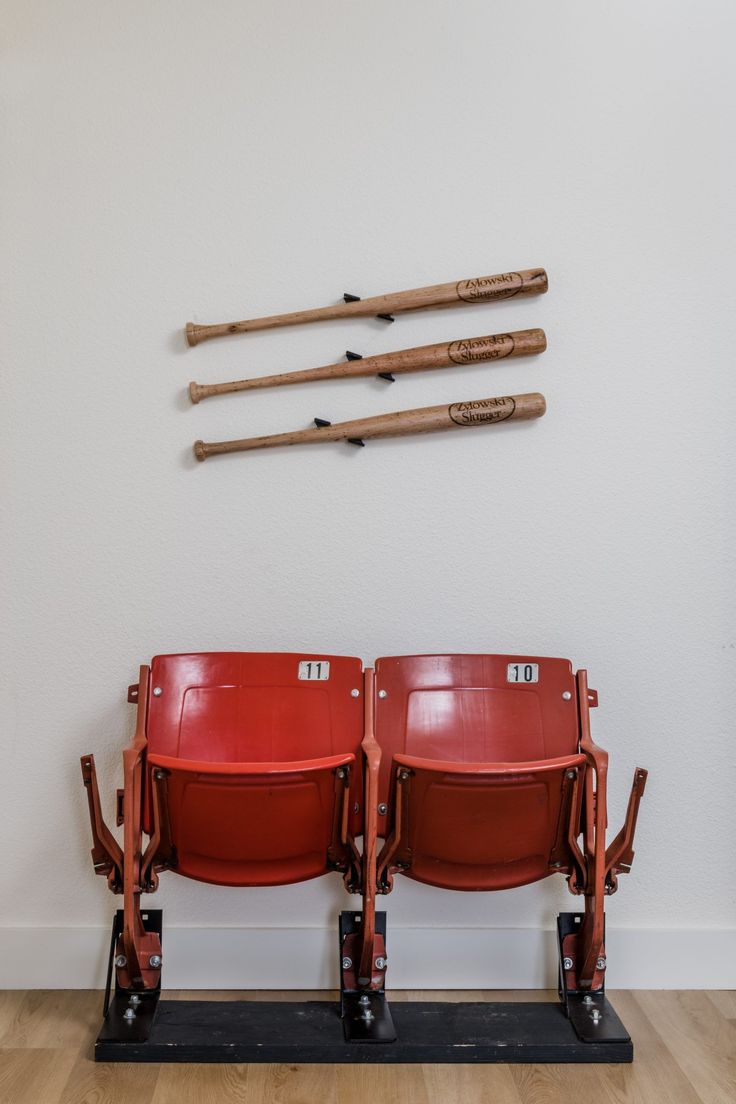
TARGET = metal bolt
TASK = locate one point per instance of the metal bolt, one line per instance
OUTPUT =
(159, 775)
(571, 773)
(364, 999)
(382, 809)
(567, 963)
(356, 807)
(347, 963)
(595, 1015)
(134, 999)
(566, 695)
(121, 961)
(381, 963)
(340, 772)
(600, 963)
(403, 776)
(383, 693)
(355, 693)
(367, 1015)
(154, 962)
(557, 865)
(129, 1014)
(157, 691)
(588, 999)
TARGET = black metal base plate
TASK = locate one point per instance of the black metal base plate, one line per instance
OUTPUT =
(311, 1031)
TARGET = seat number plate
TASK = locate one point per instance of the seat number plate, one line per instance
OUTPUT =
(522, 672)
(314, 670)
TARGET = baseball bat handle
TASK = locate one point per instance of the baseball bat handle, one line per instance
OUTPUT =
(474, 412)
(481, 289)
(468, 350)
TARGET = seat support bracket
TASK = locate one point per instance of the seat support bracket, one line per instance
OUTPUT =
(588, 1010)
(366, 1017)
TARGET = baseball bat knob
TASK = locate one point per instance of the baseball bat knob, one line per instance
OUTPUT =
(195, 392)
(200, 450)
(192, 333)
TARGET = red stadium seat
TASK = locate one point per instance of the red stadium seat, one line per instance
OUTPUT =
(245, 770)
(259, 769)
(489, 779)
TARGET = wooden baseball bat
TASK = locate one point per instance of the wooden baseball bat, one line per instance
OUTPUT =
(426, 419)
(468, 350)
(482, 289)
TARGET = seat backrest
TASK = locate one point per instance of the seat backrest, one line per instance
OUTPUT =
(474, 709)
(245, 826)
(251, 707)
(472, 828)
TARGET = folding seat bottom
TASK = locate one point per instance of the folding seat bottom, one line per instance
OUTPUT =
(251, 824)
(475, 826)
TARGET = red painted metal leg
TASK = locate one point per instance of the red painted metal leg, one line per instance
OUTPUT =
(138, 958)
(364, 953)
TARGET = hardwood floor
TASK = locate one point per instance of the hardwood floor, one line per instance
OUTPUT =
(685, 1053)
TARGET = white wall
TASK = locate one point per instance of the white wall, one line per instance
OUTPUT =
(174, 161)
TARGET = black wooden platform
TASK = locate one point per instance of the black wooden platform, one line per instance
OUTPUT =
(311, 1031)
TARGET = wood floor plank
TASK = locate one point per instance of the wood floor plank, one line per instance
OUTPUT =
(470, 1084)
(55, 1018)
(700, 1039)
(10, 1002)
(399, 1084)
(34, 1075)
(91, 1082)
(202, 1084)
(725, 1002)
(654, 1077)
(558, 1084)
(293, 1084)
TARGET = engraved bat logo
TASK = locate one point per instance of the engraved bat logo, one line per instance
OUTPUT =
(482, 411)
(486, 288)
(472, 349)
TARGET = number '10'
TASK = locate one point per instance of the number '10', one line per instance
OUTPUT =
(528, 672)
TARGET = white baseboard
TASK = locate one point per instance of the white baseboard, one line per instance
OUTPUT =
(419, 958)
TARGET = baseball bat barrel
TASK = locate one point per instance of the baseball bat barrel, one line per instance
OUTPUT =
(468, 350)
(427, 419)
(481, 289)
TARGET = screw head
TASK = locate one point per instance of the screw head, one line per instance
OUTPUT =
(364, 999)
(120, 961)
(159, 775)
(347, 963)
(157, 691)
(355, 693)
(340, 772)
(129, 1014)
(587, 999)
(381, 963)
(567, 963)
(403, 776)
(600, 963)
(154, 962)
(356, 807)
(383, 693)
(571, 774)
(595, 1015)
(134, 999)
(566, 695)
(382, 809)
